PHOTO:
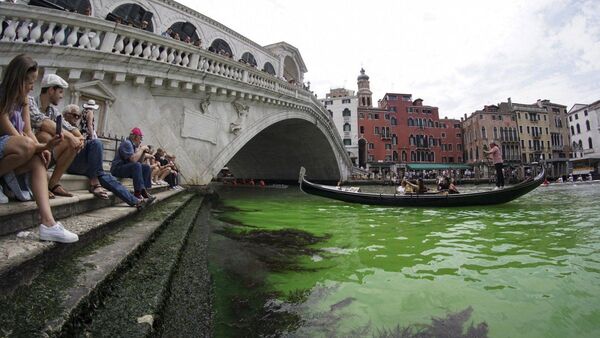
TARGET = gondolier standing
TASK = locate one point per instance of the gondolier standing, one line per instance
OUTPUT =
(496, 155)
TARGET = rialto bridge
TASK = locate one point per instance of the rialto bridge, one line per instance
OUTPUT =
(213, 98)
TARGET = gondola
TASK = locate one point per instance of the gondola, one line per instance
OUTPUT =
(422, 200)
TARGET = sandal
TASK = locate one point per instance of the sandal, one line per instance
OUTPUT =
(58, 190)
(51, 195)
(98, 191)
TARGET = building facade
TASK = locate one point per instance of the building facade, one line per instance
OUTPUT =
(342, 105)
(542, 135)
(560, 145)
(487, 125)
(584, 127)
(402, 132)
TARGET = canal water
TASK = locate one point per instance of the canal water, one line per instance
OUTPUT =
(529, 268)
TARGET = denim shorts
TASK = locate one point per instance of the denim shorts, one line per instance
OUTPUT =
(3, 140)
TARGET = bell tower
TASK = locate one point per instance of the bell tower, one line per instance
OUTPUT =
(364, 90)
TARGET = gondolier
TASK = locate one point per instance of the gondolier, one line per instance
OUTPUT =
(496, 155)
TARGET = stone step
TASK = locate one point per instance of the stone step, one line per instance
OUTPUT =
(132, 301)
(20, 257)
(71, 287)
(18, 216)
(79, 182)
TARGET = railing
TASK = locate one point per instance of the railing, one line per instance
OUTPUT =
(48, 27)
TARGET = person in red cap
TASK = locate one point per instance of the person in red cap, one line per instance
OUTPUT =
(128, 164)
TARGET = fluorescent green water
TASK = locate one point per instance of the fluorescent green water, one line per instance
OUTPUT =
(530, 268)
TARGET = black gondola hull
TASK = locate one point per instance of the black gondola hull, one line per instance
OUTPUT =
(423, 200)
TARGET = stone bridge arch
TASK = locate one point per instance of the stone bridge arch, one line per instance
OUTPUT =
(280, 144)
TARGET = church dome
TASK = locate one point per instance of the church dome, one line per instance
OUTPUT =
(362, 75)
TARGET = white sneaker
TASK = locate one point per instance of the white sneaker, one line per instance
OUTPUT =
(57, 233)
(496, 188)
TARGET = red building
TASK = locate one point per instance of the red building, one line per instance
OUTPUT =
(404, 131)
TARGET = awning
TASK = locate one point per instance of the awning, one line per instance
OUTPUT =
(582, 170)
(437, 166)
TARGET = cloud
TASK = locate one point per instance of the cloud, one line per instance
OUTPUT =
(457, 55)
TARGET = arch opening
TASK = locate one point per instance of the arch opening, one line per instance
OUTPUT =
(277, 153)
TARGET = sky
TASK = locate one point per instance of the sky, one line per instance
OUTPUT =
(457, 55)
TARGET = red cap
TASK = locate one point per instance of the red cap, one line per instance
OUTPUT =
(136, 131)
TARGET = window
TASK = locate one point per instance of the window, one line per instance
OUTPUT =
(248, 58)
(413, 157)
(495, 133)
(371, 146)
(578, 129)
(585, 112)
(328, 103)
(330, 112)
(590, 143)
(346, 112)
(411, 140)
(387, 116)
(362, 129)
(393, 109)
(347, 142)
(376, 132)
(268, 68)
(186, 30)
(572, 130)
(587, 126)
(480, 117)
(131, 14)
(376, 116)
(388, 146)
(370, 116)
(403, 156)
(576, 117)
(219, 46)
(443, 135)
(345, 100)
(410, 122)
(571, 118)
(78, 6)
(361, 115)
(347, 127)
(483, 134)
(393, 121)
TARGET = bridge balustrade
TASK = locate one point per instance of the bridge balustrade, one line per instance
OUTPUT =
(47, 27)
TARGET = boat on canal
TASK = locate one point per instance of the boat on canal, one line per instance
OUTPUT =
(422, 200)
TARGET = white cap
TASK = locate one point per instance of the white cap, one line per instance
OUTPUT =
(53, 80)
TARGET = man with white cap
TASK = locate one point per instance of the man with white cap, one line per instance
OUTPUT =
(43, 113)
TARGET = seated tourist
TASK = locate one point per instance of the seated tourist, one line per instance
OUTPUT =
(446, 185)
(164, 168)
(89, 160)
(43, 114)
(418, 188)
(127, 164)
(20, 151)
